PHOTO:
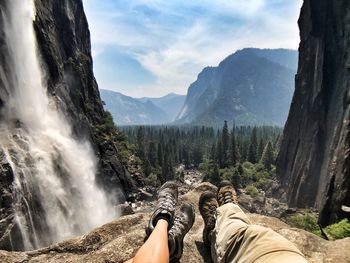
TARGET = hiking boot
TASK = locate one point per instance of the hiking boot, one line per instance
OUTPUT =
(165, 208)
(226, 193)
(184, 219)
(207, 207)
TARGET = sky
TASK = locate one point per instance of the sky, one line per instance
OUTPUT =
(154, 47)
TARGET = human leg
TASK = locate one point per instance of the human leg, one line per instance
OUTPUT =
(164, 242)
(237, 240)
(155, 249)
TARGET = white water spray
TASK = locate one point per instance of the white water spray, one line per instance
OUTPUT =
(55, 190)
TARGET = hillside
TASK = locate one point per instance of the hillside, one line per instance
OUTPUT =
(141, 111)
(170, 103)
(249, 87)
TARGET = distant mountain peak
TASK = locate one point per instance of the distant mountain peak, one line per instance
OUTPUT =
(127, 110)
(250, 86)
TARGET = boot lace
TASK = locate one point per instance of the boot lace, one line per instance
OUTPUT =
(226, 197)
(166, 202)
(178, 227)
(211, 218)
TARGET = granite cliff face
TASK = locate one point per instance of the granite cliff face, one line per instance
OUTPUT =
(63, 42)
(314, 162)
(251, 87)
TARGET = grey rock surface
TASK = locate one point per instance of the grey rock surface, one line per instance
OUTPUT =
(251, 87)
(314, 162)
(119, 240)
(64, 47)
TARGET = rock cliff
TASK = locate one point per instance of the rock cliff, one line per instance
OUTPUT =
(314, 162)
(120, 240)
(63, 41)
(251, 87)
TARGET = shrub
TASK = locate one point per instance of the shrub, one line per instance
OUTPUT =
(307, 222)
(339, 230)
(263, 184)
(252, 191)
(152, 180)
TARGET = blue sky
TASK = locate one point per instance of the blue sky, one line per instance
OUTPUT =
(154, 47)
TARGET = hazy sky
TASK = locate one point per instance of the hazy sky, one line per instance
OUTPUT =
(153, 47)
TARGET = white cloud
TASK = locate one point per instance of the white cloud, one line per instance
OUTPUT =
(175, 46)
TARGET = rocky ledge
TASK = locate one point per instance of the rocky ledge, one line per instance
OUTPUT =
(119, 240)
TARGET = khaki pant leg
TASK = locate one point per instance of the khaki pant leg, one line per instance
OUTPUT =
(235, 239)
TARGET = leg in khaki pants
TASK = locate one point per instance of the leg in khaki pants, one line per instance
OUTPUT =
(235, 239)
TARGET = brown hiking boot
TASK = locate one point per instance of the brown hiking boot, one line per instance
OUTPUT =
(184, 219)
(226, 193)
(207, 208)
(165, 208)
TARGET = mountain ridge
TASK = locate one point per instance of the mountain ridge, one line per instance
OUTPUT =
(127, 110)
(233, 90)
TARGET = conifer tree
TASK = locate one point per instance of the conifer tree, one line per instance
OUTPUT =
(253, 147)
(260, 149)
(160, 154)
(212, 154)
(219, 155)
(225, 142)
(141, 143)
(186, 157)
(267, 158)
(147, 169)
(214, 176)
(234, 155)
(152, 154)
(197, 155)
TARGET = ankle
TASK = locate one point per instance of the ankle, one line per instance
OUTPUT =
(162, 222)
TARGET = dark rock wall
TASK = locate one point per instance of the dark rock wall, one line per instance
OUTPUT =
(64, 47)
(64, 42)
(313, 164)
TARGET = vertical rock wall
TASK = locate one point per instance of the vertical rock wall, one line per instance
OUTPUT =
(314, 161)
(64, 42)
(63, 39)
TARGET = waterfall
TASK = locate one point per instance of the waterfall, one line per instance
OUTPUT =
(55, 193)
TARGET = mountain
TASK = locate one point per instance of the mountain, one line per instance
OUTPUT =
(314, 161)
(171, 104)
(143, 111)
(130, 111)
(251, 86)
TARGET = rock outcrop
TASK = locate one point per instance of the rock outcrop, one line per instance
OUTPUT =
(120, 240)
(314, 162)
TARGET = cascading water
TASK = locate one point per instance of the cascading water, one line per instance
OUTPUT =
(56, 196)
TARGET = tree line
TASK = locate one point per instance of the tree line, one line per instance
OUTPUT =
(214, 151)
